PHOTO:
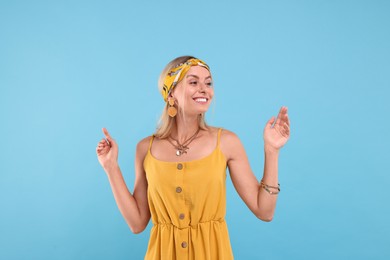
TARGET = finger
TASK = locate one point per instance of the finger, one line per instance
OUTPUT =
(100, 147)
(285, 119)
(106, 149)
(99, 151)
(286, 125)
(102, 150)
(287, 130)
(271, 121)
(104, 142)
(284, 131)
(283, 127)
(284, 116)
(282, 111)
(286, 134)
(105, 132)
(109, 139)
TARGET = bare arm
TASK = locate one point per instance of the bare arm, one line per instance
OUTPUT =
(134, 207)
(258, 200)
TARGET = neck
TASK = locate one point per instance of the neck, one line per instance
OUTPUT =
(185, 127)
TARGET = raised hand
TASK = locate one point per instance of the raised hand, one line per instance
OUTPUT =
(107, 151)
(277, 135)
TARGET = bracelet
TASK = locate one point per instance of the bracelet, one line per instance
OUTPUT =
(268, 187)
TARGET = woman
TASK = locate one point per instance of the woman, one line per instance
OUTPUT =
(181, 171)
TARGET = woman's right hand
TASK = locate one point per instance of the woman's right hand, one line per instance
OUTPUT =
(107, 152)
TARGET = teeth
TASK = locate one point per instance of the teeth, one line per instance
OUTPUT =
(200, 100)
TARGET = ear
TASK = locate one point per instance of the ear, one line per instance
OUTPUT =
(171, 93)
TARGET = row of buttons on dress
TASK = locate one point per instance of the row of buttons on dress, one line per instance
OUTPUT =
(181, 215)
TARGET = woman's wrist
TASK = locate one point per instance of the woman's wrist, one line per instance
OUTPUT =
(112, 169)
(270, 150)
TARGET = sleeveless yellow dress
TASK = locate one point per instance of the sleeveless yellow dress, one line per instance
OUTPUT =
(187, 201)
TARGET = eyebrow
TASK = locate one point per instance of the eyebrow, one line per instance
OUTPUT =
(190, 75)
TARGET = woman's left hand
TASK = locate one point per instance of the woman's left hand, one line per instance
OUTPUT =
(276, 136)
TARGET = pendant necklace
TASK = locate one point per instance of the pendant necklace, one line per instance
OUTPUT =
(182, 148)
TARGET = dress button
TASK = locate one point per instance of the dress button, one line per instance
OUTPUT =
(180, 166)
(181, 216)
(178, 189)
(184, 244)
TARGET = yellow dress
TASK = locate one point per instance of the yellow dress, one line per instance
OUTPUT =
(187, 201)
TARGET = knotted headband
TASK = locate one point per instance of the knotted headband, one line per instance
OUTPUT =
(177, 74)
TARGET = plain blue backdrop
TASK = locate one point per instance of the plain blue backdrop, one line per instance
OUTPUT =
(69, 68)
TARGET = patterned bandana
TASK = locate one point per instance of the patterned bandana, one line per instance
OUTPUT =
(177, 74)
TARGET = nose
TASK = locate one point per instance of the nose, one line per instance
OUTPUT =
(202, 88)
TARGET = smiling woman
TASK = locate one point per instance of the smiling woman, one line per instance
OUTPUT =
(171, 76)
(181, 171)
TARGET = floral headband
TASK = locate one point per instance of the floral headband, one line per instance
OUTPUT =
(177, 74)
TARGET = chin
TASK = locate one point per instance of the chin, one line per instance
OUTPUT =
(198, 112)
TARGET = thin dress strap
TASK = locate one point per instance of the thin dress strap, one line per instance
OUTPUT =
(219, 137)
(150, 143)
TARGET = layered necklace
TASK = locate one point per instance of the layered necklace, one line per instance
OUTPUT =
(182, 147)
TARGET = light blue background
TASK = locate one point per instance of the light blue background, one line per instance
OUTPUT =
(69, 68)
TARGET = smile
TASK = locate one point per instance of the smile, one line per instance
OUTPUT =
(201, 100)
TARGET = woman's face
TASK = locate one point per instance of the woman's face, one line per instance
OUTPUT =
(195, 92)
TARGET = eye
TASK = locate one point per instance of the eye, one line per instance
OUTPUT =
(210, 84)
(193, 83)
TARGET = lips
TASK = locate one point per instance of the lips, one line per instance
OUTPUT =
(200, 100)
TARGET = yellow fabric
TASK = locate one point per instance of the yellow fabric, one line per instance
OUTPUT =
(176, 75)
(196, 189)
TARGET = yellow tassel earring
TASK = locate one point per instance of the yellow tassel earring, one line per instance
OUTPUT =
(172, 111)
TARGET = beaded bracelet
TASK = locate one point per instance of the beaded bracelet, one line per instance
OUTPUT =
(268, 187)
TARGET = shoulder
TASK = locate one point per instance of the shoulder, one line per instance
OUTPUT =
(229, 138)
(226, 137)
(143, 147)
(225, 133)
(230, 144)
(212, 131)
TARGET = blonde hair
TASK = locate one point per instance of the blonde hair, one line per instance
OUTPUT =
(166, 123)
